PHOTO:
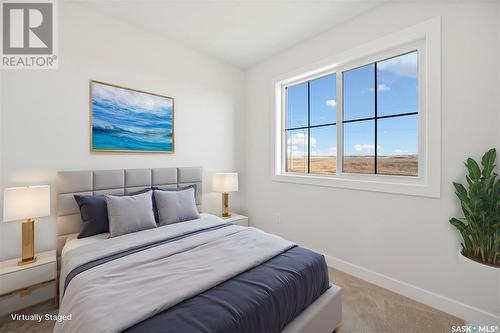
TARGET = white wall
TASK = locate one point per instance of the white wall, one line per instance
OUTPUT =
(45, 114)
(398, 241)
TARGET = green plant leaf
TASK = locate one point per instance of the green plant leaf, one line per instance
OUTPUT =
(488, 162)
(462, 228)
(473, 168)
(461, 190)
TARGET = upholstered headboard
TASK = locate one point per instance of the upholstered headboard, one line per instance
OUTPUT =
(118, 182)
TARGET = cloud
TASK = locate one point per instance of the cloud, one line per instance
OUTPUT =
(365, 148)
(297, 143)
(331, 103)
(381, 87)
(300, 139)
(400, 151)
(405, 65)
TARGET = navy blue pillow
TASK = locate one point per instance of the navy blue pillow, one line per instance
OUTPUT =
(94, 213)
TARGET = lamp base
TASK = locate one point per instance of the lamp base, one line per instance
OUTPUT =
(28, 243)
(26, 261)
(225, 205)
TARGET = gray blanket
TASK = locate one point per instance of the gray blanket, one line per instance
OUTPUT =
(120, 293)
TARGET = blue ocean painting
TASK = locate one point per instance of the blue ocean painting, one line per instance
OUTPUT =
(130, 120)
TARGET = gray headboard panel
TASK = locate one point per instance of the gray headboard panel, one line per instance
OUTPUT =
(119, 182)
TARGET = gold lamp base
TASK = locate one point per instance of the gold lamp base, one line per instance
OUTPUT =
(225, 205)
(28, 243)
(25, 262)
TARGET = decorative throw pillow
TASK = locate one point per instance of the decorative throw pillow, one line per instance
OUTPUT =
(155, 208)
(94, 213)
(176, 205)
(127, 214)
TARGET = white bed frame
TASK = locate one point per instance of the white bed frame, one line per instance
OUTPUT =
(322, 316)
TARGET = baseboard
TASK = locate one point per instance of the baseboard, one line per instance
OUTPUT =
(470, 314)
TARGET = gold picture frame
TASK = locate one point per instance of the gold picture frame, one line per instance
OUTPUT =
(105, 148)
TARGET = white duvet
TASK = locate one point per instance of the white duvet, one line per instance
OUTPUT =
(118, 294)
(72, 241)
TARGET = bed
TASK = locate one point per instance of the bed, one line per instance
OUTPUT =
(202, 275)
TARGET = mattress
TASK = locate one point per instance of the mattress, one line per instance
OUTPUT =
(265, 298)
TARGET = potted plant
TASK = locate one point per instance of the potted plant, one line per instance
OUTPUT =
(480, 202)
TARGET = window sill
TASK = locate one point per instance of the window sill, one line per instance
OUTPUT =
(379, 183)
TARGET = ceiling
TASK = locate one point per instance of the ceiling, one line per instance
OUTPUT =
(241, 33)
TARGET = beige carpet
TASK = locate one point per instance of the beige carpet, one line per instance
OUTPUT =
(365, 308)
(369, 308)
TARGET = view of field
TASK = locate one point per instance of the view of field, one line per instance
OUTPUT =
(403, 165)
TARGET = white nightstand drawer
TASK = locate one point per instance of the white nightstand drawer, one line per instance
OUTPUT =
(23, 286)
(21, 279)
(20, 301)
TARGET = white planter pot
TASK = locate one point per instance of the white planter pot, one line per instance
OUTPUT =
(476, 265)
(481, 283)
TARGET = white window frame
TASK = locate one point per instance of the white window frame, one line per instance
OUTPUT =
(426, 39)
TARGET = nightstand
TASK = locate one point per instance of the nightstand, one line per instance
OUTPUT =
(23, 286)
(237, 219)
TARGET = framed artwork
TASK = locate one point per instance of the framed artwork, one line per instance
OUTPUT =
(130, 121)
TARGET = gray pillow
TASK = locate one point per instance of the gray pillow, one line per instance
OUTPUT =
(128, 214)
(176, 206)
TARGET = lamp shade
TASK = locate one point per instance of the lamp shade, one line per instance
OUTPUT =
(26, 202)
(225, 182)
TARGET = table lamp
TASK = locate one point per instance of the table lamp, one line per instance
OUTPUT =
(26, 203)
(225, 183)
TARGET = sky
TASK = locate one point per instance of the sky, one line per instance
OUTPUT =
(396, 93)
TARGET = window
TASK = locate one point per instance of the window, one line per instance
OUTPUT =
(311, 133)
(380, 109)
(380, 119)
(368, 118)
